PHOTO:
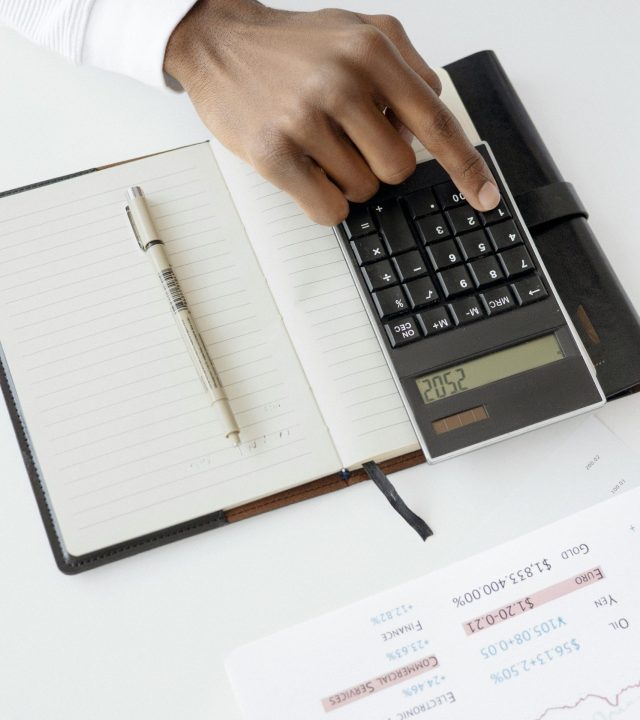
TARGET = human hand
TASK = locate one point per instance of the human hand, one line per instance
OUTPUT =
(300, 96)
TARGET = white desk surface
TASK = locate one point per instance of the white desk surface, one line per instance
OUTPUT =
(145, 638)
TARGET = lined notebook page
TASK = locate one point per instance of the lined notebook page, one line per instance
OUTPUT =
(326, 319)
(123, 432)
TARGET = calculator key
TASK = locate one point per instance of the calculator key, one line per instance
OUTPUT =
(529, 290)
(421, 292)
(455, 281)
(493, 216)
(485, 271)
(444, 254)
(390, 301)
(462, 219)
(474, 244)
(368, 249)
(402, 331)
(379, 275)
(432, 228)
(435, 321)
(448, 195)
(497, 300)
(466, 310)
(410, 265)
(359, 221)
(504, 235)
(422, 202)
(394, 227)
(516, 261)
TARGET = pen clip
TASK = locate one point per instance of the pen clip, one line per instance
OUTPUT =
(133, 227)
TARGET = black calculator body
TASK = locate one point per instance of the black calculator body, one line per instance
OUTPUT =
(476, 338)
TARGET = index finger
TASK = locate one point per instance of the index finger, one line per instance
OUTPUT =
(418, 107)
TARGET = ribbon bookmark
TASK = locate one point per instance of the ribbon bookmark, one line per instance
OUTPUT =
(397, 503)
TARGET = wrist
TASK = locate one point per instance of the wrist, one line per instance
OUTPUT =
(199, 40)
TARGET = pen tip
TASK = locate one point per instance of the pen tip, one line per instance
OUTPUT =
(234, 437)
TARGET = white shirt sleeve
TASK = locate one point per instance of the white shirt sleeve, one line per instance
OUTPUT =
(124, 36)
(55, 24)
(131, 36)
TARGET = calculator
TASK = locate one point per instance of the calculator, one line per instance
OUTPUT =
(474, 333)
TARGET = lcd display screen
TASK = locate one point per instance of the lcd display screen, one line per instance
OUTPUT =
(489, 368)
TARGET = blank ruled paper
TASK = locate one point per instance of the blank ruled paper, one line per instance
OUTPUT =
(122, 429)
(326, 319)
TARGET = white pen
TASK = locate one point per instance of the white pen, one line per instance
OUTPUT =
(153, 247)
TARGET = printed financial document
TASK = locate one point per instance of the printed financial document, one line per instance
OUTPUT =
(545, 627)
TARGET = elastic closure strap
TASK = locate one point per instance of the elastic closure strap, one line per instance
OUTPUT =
(397, 503)
(549, 204)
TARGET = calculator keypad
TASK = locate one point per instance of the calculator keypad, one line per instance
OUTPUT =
(433, 264)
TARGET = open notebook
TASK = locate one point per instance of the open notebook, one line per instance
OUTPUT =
(120, 436)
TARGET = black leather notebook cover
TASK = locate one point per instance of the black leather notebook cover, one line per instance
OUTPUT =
(595, 300)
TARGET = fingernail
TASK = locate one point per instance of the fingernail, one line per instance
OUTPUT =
(489, 196)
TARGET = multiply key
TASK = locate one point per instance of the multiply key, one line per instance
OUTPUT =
(368, 249)
(394, 227)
